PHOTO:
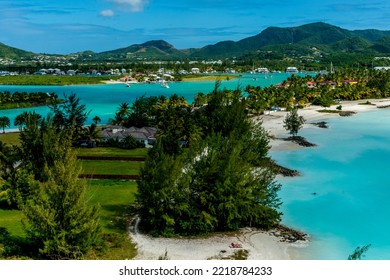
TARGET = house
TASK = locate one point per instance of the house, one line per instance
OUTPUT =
(143, 134)
(311, 84)
(195, 70)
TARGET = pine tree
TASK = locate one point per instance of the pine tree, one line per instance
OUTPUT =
(57, 217)
(219, 183)
(293, 123)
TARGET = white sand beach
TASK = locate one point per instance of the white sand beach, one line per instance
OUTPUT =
(273, 121)
(259, 244)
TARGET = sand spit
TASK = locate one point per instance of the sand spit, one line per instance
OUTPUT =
(257, 244)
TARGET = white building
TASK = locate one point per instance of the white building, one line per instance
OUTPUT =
(195, 70)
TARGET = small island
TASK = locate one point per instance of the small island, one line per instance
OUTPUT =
(14, 100)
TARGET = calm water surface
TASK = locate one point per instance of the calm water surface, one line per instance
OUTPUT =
(350, 173)
(103, 100)
(348, 170)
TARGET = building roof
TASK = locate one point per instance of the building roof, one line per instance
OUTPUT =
(121, 132)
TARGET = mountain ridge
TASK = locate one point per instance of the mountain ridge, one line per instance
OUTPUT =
(319, 35)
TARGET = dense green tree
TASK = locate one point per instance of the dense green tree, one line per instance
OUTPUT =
(70, 115)
(38, 141)
(91, 132)
(220, 183)
(58, 220)
(96, 120)
(18, 188)
(293, 122)
(208, 188)
(160, 199)
(4, 122)
(23, 118)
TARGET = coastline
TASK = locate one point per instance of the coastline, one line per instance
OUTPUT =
(261, 245)
(276, 244)
(273, 121)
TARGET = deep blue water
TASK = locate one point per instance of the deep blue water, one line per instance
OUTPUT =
(349, 171)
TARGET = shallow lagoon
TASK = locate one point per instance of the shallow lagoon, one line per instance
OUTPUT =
(348, 170)
(103, 99)
(349, 174)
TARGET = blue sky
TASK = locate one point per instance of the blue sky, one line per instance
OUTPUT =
(68, 26)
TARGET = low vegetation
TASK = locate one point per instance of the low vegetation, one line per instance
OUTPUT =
(201, 78)
(52, 80)
(111, 167)
(218, 182)
(209, 170)
(327, 90)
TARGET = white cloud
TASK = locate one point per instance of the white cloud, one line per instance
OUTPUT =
(131, 5)
(107, 13)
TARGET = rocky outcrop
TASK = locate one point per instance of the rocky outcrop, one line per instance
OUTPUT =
(321, 124)
(346, 113)
(286, 172)
(301, 141)
(287, 234)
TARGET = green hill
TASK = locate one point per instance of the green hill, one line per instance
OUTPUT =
(315, 39)
(323, 36)
(13, 53)
(158, 49)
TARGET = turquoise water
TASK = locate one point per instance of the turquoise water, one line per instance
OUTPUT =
(103, 100)
(350, 174)
(348, 169)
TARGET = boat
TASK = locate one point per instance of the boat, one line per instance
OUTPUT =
(164, 84)
(292, 70)
(263, 70)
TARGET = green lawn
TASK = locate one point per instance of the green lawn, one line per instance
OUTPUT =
(112, 152)
(114, 167)
(11, 138)
(115, 198)
(11, 220)
(52, 80)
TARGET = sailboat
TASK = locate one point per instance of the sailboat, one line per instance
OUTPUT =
(164, 83)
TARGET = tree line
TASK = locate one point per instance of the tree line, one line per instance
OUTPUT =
(40, 177)
(209, 170)
(340, 85)
(17, 99)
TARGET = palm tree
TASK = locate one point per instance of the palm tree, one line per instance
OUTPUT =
(91, 132)
(124, 108)
(96, 120)
(4, 122)
(26, 118)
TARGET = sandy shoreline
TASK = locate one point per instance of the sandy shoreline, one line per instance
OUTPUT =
(273, 122)
(259, 244)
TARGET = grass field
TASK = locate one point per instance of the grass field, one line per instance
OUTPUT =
(115, 198)
(114, 167)
(108, 151)
(11, 138)
(52, 80)
(11, 220)
(209, 78)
